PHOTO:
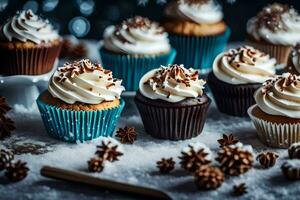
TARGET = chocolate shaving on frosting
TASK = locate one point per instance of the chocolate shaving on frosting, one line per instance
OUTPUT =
(196, 2)
(284, 81)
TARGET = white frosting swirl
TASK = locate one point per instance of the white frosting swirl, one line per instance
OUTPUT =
(280, 96)
(137, 35)
(201, 11)
(26, 26)
(244, 65)
(277, 24)
(84, 82)
(173, 83)
(296, 58)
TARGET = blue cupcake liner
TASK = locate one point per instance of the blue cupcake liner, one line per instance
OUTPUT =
(131, 68)
(198, 52)
(74, 126)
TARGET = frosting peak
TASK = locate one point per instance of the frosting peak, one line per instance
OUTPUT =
(199, 11)
(26, 26)
(137, 35)
(82, 81)
(280, 96)
(276, 23)
(173, 83)
(244, 65)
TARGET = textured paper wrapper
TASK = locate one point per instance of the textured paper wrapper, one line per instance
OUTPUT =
(232, 99)
(198, 52)
(280, 52)
(73, 126)
(275, 134)
(131, 69)
(28, 61)
(173, 123)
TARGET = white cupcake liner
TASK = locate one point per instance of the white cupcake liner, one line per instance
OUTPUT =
(273, 134)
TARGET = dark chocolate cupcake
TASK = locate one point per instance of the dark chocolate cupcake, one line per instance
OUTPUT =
(235, 77)
(28, 45)
(171, 102)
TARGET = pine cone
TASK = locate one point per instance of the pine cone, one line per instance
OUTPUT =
(267, 159)
(239, 190)
(78, 51)
(108, 151)
(234, 160)
(165, 165)
(127, 135)
(95, 165)
(207, 177)
(227, 140)
(6, 126)
(192, 159)
(6, 157)
(294, 151)
(17, 171)
(4, 107)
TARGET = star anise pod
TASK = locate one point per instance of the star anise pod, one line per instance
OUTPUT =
(294, 151)
(191, 160)
(227, 140)
(126, 135)
(267, 159)
(17, 171)
(6, 126)
(239, 190)
(108, 151)
(78, 51)
(208, 177)
(6, 157)
(165, 165)
(95, 165)
(4, 107)
(234, 160)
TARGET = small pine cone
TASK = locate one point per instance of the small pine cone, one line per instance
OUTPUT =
(6, 157)
(234, 160)
(294, 151)
(195, 156)
(239, 190)
(227, 140)
(17, 171)
(165, 165)
(6, 126)
(267, 159)
(208, 177)
(95, 165)
(4, 107)
(291, 169)
(108, 151)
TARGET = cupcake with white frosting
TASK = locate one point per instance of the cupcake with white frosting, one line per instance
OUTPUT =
(29, 45)
(294, 61)
(275, 30)
(172, 103)
(83, 102)
(133, 47)
(236, 75)
(197, 31)
(276, 114)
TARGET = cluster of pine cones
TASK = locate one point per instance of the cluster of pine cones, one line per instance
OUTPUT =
(6, 124)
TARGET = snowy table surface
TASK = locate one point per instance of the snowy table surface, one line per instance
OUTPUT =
(138, 165)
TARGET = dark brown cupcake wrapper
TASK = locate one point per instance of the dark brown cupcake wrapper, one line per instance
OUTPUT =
(173, 123)
(232, 99)
(28, 61)
(280, 52)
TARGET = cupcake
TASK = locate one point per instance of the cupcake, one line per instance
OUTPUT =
(134, 47)
(197, 31)
(82, 102)
(28, 45)
(293, 65)
(276, 113)
(275, 30)
(236, 75)
(172, 103)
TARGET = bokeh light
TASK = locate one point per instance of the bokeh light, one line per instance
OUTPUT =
(49, 5)
(79, 26)
(33, 5)
(3, 4)
(86, 7)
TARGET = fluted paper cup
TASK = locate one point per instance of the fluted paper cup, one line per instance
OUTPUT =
(279, 135)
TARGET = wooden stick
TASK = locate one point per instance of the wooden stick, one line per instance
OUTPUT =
(78, 177)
